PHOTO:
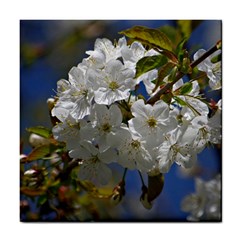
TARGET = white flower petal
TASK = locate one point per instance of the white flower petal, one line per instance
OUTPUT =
(102, 142)
(81, 108)
(188, 136)
(117, 139)
(104, 174)
(164, 159)
(187, 161)
(177, 85)
(101, 114)
(90, 148)
(113, 68)
(126, 161)
(80, 153)
(160, 110)
(63, 86)
(115, 115)
(76, 76)
(108, 156)
(139, 109)
(203, 65)
(102, 96)
(199, 121)
(62, 110)
(138, 126)
(195, 89)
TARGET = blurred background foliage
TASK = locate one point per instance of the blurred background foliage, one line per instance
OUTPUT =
(48, 50)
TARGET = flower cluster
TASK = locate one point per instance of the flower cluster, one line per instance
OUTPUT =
(102, 119)
(205, 204)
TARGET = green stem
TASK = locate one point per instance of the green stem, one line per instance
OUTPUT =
(123, 106)
(129, 98)
(124, 174)
(127, 106)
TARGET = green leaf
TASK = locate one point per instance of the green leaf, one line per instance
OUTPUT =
(186, 66)
(217, 58)
(180, 50)
(172, 74)
(170, 31)
(155, 186)
(42, 199)
(41, 151)
(146, 64)
(186, 88)
(180, 101)
(149, 36)
(41, 131)
(185, 27)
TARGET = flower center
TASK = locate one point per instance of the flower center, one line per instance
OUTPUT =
(94, 159)
(91, 58)
(84, 92)
(175, 149)
(203, 131)
(73, 125)
(135, 144)
(113, 85)
(152, 122)
(106, 127)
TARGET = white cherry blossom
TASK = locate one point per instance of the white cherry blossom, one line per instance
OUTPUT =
(213, 70)
(131, 55)
(75, 96)
(94, 163)
(205, 203)
(64, 104)
(215, 124)
(151, 122)
(80, 92)
(105, 51)
(177, 148)
(111, 84)
(132, 151)
(200, 123)
(63, 88)
(209, 129)
(72, 132)
(106, 122)
(194, 107)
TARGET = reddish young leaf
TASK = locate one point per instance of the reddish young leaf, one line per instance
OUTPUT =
(41, 151)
